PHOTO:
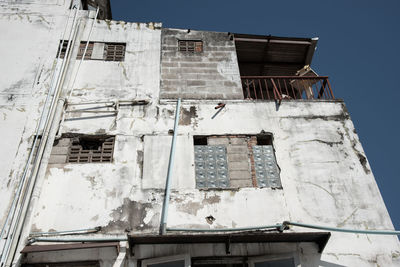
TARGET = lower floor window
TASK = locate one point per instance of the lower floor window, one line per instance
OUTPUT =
(235, 161)
(185, 261)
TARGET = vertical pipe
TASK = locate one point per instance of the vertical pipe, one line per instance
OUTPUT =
(164, 212)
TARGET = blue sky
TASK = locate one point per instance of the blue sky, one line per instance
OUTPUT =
(359, 49)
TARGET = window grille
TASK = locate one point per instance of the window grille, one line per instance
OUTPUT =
(115, 51)
(91, 149)
(190, 46)
(63, 48)
(89, 50)
(211, 166)
(112, 51)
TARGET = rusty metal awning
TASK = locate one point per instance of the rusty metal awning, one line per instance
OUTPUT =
(57, 247)
(320, 238)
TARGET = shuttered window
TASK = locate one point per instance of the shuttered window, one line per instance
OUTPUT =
(190, 46)
(104, 51)
(115, 51)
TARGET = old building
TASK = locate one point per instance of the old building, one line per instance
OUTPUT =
(129, 144)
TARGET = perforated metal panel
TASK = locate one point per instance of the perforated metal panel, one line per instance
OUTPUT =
(211, 167)
(267, 173)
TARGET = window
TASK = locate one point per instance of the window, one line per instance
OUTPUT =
(115, 52)
(235, 162)
(211, 165)
(63, 264)
(170, 261)
(190, 46)
(97, 51)
(82, 149)
(266, 168)
(286, 260)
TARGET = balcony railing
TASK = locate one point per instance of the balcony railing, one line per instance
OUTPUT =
(286, 87)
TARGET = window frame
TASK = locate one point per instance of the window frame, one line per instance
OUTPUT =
(158, 260)
(187, 46)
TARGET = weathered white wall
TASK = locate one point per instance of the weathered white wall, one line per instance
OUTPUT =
(325, 177)
(317, 149)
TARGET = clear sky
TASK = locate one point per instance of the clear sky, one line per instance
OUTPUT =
(359, 49)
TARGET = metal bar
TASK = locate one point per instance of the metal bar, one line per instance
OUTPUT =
(248, 89)
(294, 94)
(274, 89)
(330, 89)
(272, 41)
(266, 88)
(259, 83)
(276, 226)
(279, 86)
(164, 212)
(285, 77)
(344, 230)
(254, 88)
(284, 82)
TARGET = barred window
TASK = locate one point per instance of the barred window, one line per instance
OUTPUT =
(78, 148)
(89, 50)
(96, 51)
(190, 46)
(115, 51)
(91, 149)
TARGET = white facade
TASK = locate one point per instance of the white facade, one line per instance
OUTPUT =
(325, 177)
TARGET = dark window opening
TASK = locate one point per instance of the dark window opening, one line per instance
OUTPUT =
(264, 140)
(190, 46)
(200, 140)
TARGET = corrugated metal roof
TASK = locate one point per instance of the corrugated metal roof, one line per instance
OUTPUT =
(261, 55)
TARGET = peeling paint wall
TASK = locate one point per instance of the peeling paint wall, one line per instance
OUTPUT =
(326, 178)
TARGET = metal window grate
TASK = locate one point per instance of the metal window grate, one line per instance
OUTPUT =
(267, 173)
(102, 151)
(89, 50)
(115, 52)
(190, 46)
(211, 166)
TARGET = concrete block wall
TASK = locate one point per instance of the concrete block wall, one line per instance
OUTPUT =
(210, 74)
(238, 157)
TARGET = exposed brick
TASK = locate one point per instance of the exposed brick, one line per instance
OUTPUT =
(229, 83)
(237, 157)
(239, 141)
(239, 166)
(199, 64)
(237, 149)
(56, 159)
(237, 175)
(195, 83)
(170, 64)
(63, 142)
(241, 183)
(59, 150)
(218, 141)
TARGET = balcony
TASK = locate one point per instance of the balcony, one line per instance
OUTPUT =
(286, 87)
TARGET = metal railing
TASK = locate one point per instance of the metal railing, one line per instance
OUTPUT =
(286, 87)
